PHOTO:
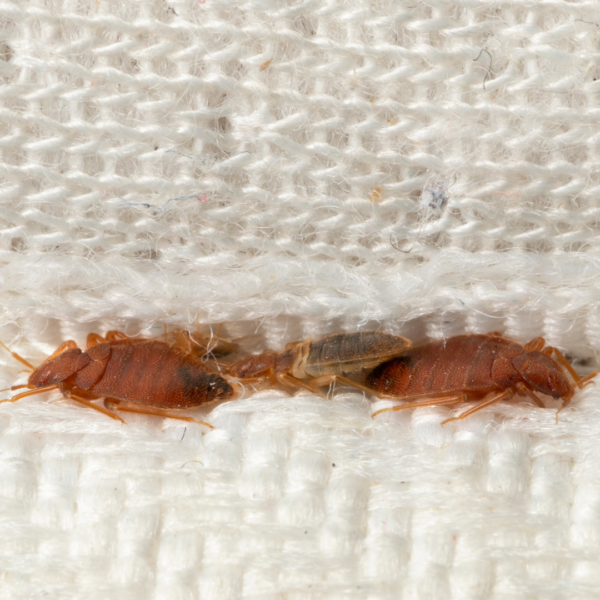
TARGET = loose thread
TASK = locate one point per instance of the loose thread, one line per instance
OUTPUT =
(201, 199)
(489, 68)
(400, 249)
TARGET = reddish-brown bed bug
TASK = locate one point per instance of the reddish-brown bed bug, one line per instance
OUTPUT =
(147, 376)
(488, 368)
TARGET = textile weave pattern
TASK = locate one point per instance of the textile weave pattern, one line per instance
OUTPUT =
(293, 169)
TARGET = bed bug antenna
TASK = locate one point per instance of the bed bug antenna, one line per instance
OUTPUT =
(19, 358)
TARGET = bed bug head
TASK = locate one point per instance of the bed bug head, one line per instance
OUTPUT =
(57, 368)
(544, 375)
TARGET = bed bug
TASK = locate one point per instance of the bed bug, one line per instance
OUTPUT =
(147, 376)
(488, 368)
(313, 364)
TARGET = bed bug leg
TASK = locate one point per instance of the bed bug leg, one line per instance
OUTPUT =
(115, 336)
(68, 345)
(482, 404)
(93, 339)
(330, 379)
(587, 380)
(292, 382)
(521, 387)
(79, 398)
(535, 345)
(143, 410)
(579, 382)
(441, 399)
(550, 350)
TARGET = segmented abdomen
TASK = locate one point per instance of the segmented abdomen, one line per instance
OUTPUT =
(351, 352)
(156, 374)
(463, 362)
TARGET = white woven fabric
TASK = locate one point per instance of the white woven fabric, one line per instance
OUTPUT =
(295, 169)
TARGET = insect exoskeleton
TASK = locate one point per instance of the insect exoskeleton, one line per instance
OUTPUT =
(488, 368)
(147, 376)
(205, 344)
(311, 364)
